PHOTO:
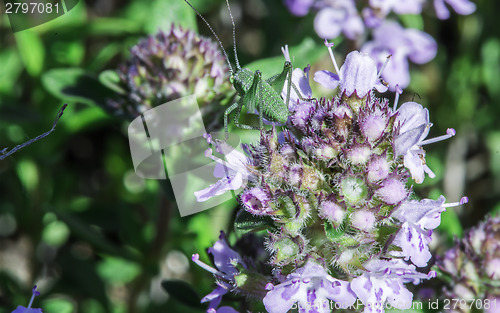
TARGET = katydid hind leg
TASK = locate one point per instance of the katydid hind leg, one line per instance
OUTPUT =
(259, 101)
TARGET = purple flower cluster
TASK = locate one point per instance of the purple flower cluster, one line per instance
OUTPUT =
(472, 267)
(346, 17)
(342, 223)
(170, 65)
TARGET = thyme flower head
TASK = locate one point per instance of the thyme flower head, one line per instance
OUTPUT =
(472, 267)
(331, 188)
(170, 65)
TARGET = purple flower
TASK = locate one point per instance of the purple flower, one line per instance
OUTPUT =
(397, 6)
(373, 126)
(256, 201)
(418, 219)
(301, 80)
(310, 286)
(392, 191)
(463, 7)
(378, 169)
(414, 125)
(332, 212)
(384, 281)
(402, 44)
(357, 75)
(299, 7)
(224, 260)
(233, 172)
(223, 309)
(29, 309)
(341, 16)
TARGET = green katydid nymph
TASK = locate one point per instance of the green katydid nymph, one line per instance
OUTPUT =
(258, 95)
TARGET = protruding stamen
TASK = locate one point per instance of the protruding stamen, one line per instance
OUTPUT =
(462, 201)
(211, 310)
(396, 99)
(384, 65)
(269, 286)
(450, 132)
(431, 274)
(286, 53)
(307, 69)
(34, 294)
(196, 259)
(209, 154)
(329, 46)
(208, 137)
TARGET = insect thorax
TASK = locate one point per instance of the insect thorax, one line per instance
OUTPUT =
(243, 80)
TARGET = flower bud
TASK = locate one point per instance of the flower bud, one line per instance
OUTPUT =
(353, 189)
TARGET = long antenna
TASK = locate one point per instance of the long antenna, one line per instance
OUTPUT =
(216, 37)
(234, 37)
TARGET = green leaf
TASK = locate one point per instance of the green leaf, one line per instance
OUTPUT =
(107, 269)
(58, 305)
(111, 79)
(31, 50)
(412, 21)
(92, 236)
(112, 26)
(85, 118)
(104, 56)
(55, 233)
(333, 233)
(384, 231)
(450, 225)
(246, 222)
(11, 66)
(75, 84)
(493, 143)
(307, 52)
(160, 15)
(183, 292)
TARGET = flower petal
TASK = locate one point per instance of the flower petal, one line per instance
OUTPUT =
(423, 46)
(328, 22)
(327, 79)
(463, 7)
(299, 7)
(442, 11)
(358, 74)
(414, 244)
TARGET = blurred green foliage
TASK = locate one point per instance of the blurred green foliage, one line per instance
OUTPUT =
(75, 219)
